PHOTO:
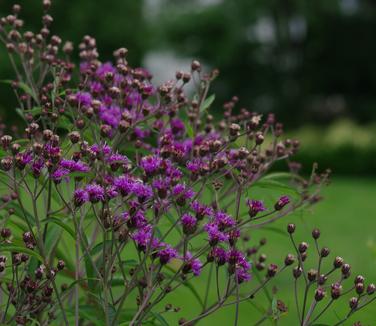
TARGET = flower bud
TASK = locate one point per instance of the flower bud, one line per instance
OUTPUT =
(303, 246)
(297, 271)
(353, 303)
(371, 288)
(74, 137)
(6, 163)
(60, 265)
(259, 138)
(338, 262)
(319, 294)
(289, 260)
(312, 275)
(272, 270)
(196, 65)
(282, 202)
(345, 268)
(324, 252)
(5, 233)
(359, 288)
(336, 290)
(316, 234)
(291, 228)
(5, 141)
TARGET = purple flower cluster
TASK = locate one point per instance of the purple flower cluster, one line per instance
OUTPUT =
(148, 170)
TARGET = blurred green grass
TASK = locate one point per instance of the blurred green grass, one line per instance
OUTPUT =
(348, 223)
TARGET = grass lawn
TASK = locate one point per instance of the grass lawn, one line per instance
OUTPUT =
(347, 219)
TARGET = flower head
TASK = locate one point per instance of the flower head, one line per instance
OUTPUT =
(282, 202)
(80, 197)
(255, 207)
(189, 223)
(96, 192)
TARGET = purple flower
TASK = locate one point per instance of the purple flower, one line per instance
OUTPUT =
(124, 184)
(22, 159)
(192, 265)
(150, 164)
(110, 115)
(255, 207)
(37, 167)
(96, 192)
(165, 255)
(161, 185)
(223, 220)
(111, 192)
(214, 234)
(142, 237)
(105, 68)
(182, 192)
(59, 174)
(242, 275)
(220, 255)
(83, 98)
(189, 223)
(194, 166)
(282, 202)
(80, 197)
(177, 126)
(137, 220)
(74, 166)
(201, 210)
(116, 160)
(141, 191)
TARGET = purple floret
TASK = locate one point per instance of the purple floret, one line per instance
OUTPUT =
(96, 192)
(80, 197)
(141, 191)
(150, 164)
(165, 255)
(124, 184)
(74, 166)
(201, 210)
(223, 220)
(189, 223)
(214, 234)
(255, 207)
(58, 175)
(282, 202)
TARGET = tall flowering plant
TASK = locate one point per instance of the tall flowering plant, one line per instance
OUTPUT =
(120, 192)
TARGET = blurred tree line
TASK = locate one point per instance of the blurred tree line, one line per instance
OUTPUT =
(308, 61)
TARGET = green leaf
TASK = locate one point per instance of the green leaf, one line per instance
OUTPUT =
(282, 175)
(275, 230)
(18, 211)
(64, 123)
(22, 86)
(206, 104)
(276, 185)
(274, 306)
(92, 313)
(189, 130)
(12, 248)
(160, 318)
(62, 224)
(98, 248)
(173, 221)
